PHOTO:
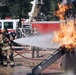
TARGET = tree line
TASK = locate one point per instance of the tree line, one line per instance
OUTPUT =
(20, 8)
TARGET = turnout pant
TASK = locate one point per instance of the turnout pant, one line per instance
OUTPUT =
(7, 54)
(35, 49)
(1, 56)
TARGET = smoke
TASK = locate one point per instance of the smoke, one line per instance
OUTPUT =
(64, 2)
(69, 73)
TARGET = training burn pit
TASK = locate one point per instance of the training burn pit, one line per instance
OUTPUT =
(50, 60)
(66, 37)
(68, 61)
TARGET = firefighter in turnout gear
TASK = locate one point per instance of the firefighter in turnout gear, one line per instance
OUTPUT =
(34, 48)
(7, 49)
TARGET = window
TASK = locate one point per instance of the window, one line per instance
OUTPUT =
(27, 26)
(0, 25)
(39, 1)
(8, 25)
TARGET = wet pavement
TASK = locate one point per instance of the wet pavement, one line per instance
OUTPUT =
(21, 68)
(24, 67)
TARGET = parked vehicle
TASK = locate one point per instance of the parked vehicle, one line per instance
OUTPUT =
(9, 24)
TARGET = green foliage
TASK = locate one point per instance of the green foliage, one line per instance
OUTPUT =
(20, 8)
(49, 7)
(15, 8)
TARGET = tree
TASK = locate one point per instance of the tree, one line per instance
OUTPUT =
(49, 7)
(19, 7)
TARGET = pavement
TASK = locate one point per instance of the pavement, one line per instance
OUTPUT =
(24, 64)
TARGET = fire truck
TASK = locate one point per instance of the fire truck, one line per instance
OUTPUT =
(9, 24)
(42, 26)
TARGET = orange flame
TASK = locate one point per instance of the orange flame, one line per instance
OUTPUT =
(62, 9)
(66, 36)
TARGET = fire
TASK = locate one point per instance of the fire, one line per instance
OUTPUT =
(66, 36)
(62, 9)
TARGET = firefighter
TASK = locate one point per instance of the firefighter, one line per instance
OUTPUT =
(13, 34)
(35, 33)
(33, 51)
(19, 33)
(7, 50)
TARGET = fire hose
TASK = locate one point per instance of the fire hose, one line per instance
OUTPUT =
(46, 62)
(50, 60)
(27, 57)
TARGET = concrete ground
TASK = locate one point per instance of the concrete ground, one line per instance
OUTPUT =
(24, 66)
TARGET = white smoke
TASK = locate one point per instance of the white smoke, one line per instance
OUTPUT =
(69, 73)
(64, 2)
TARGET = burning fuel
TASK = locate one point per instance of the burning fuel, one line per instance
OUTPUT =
(66, 36)
(62, 10)
(65, 8)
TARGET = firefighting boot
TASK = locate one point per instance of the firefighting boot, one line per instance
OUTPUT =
(4, 63)
(12, 64)
(1, 59)
(1, 62)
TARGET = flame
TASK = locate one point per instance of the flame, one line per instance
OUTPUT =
(62, 9)
(66, 36)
